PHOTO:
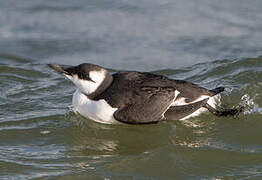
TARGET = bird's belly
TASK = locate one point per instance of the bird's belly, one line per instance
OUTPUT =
(99, 111)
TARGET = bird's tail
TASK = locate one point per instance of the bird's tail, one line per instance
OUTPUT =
(217, 90)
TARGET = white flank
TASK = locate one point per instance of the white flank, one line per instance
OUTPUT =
(212, 102)
(99, 111)
(86, 86)
(181, 101)
(176, 94)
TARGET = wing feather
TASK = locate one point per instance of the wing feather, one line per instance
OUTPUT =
(150, 110)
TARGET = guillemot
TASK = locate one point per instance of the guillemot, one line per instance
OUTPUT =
(137, 97)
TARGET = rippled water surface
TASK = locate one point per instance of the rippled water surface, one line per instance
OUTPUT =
(211, 43)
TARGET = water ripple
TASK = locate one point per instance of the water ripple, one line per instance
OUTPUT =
(39, 133)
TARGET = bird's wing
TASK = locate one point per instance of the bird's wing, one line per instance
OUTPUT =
(179, 112)
(151, 107)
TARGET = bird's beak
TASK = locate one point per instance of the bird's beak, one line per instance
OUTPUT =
(59, 69)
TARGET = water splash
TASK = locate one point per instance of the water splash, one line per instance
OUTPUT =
(249, 105)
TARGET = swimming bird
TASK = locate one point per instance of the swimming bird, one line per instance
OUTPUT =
(136, 97)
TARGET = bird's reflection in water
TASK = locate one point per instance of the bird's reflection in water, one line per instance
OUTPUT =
(193, 133)
(91, 138)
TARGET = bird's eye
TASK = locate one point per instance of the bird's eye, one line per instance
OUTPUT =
(89, 79)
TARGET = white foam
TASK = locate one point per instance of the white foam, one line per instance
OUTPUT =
(249, 105)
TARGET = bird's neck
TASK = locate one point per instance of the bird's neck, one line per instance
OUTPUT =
(102, 87)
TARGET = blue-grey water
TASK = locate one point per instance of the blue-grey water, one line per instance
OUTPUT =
(211, 43)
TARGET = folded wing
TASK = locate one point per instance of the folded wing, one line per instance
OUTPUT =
(151, 109)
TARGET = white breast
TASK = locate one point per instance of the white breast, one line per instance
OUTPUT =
(99, 111)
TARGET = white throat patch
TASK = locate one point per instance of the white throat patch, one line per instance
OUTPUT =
(86, 86)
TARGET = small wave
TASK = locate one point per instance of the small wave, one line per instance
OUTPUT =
(32, 121)
(23, 71)
(14, 58)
